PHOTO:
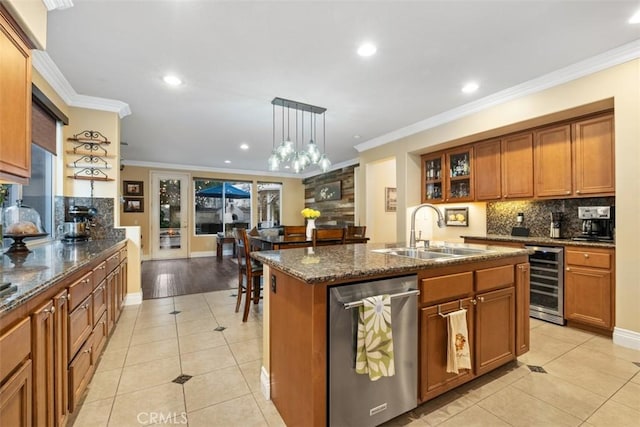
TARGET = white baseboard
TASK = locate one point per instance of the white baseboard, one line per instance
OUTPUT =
(133, 298)
(626, 338)
(265, 383)
(202, 254)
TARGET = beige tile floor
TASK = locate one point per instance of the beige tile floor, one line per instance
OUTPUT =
(589, 380)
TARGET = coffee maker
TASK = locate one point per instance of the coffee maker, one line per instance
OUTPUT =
(554, 228)
(598, 223)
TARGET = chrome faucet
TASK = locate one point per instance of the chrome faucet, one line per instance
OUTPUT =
(412, 234)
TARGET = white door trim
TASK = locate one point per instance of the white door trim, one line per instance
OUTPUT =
(154, 224)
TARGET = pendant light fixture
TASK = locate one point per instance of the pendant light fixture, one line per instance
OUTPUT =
(300, 157)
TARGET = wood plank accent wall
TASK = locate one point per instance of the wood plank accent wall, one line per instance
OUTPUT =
(341, 211)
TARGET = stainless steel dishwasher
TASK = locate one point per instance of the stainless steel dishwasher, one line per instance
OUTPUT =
(353, 399)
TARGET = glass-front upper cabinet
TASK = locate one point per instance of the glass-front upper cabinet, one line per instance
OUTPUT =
(459, 171)
(433, 172)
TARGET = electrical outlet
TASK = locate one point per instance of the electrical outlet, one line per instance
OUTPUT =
(520, 218)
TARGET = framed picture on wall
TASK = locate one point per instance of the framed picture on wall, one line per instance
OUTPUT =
(329, 191)
(133, 188)
(132, 204)
(456, 217)
(390, 199)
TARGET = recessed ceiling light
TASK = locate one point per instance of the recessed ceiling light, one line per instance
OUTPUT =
(287, 167)
(244, 147)
(356, 136)
(635, 19)
(470, 87)
(172, 80)
(367, 49)
(227, 161)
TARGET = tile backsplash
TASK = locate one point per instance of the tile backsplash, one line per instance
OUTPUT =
(102, 225)
(501, 216)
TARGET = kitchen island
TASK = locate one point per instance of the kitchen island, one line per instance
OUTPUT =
(492, 284)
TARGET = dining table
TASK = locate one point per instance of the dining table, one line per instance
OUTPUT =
(270, 242)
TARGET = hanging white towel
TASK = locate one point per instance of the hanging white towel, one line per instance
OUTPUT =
(458, 353)
(374, 352)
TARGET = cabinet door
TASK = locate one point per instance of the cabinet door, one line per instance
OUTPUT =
(488, 170)
(42, 352)
(80, 370)
(80, 326)
(523, 295)
(459, 177)
(111, 301)
(15, 103)
(495, 329)
(588, 296)
(433, 171)
(99, 301)
(594, 156)
(552, 159)
(60, 358)
(16, 399)
(434, 379)
(517, 166)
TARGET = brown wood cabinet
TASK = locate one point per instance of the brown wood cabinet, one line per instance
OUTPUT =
(15, 103)
(517, 166)
(488, 163)
(489, 294)
(553, 161)
(433, 171)
(16, 404)
(589, 287)
(50, 346)
(594, 156)
(42, 351)
(523, 297)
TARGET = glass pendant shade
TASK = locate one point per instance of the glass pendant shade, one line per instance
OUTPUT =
(274, 161)
(324, 163)
(285, 150)
(296, 164)
(313, 152)
(304, 159)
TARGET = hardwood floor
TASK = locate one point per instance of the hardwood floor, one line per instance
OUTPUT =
(167, 278)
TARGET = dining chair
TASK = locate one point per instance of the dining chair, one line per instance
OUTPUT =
(295, 230)
(356, 231)
(328, 236)
(250, 273)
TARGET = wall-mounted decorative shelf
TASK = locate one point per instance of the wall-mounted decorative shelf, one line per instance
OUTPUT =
(90, 145)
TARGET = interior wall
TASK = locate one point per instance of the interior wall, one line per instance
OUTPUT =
(380, 223)
(31, 15)
(622, 83)
(339, 212)
(291, 204)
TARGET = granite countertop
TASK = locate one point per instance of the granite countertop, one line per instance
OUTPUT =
(542, 241)
(45, 265)
(326, 264)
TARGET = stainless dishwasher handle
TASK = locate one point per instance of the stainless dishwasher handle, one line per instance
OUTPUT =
(354, 304)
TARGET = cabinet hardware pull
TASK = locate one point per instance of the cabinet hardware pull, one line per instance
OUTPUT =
(49, 310)
(63, 297)
(85, 306)
(447, 315)
(481, 299)
(577, 191)
(586, 255)
(568, 192)
(568, 269)
(474, 301)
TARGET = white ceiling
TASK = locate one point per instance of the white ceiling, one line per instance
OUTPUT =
(236, 56)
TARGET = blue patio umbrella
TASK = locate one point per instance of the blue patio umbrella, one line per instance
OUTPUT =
(225, 190)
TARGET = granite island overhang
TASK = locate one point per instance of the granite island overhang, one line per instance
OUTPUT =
(296, 283)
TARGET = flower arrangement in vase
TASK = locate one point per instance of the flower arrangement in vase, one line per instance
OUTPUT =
(310, 215)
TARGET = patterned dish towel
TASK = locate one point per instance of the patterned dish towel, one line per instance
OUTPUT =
(458, 354)
(374, 352)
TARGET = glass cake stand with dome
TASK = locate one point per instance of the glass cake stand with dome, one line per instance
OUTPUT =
(21, 222)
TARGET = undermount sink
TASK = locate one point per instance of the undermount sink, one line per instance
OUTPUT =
(413, 253)
(457, 251)
(432, 253)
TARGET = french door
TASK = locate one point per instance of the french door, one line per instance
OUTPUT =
(169, 226)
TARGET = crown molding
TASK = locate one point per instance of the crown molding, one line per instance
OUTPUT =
(57, 4)
(611, 58)
(43, 63)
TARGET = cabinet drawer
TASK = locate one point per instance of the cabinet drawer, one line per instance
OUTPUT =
(112, 262)
(99, 273)
(446, 287)
(80, 325)
(80, 290)
(588, 258)
(494, 278)
(15, 346)
(80, 370)
(100, 332)
(99, 301)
